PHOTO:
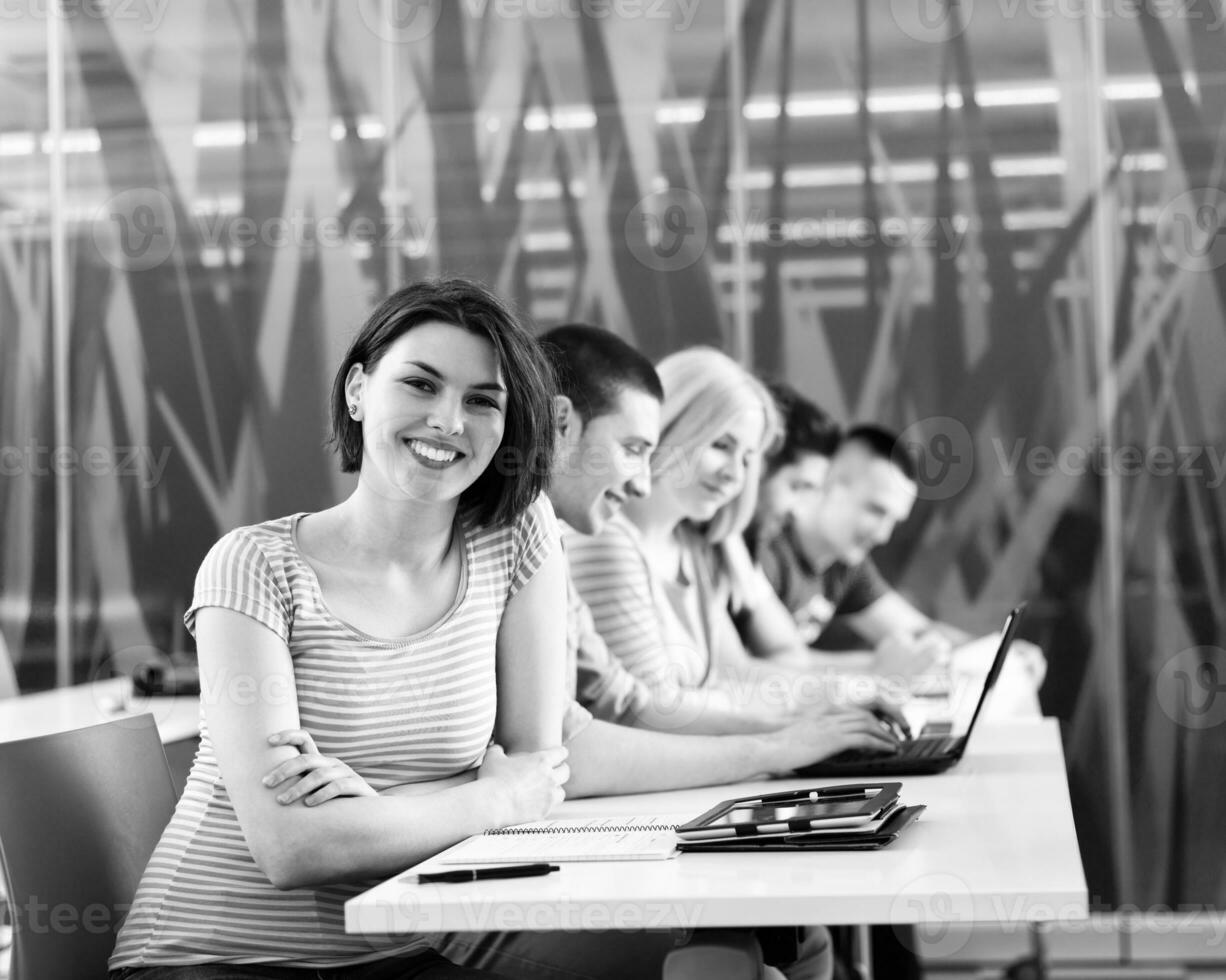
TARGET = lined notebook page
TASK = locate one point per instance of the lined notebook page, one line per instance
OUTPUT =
(602, 839)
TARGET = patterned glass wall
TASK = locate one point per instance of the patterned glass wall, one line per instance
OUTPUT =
(1170, 299)
(27, 486)
(891, 204)
(231, 235)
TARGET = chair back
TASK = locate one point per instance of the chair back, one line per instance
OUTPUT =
(80, 814)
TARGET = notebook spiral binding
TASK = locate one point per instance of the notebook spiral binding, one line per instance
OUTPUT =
(603, 829)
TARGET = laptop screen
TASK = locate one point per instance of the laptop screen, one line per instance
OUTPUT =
(970, 702)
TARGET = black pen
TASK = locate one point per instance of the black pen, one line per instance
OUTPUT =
(477, 874)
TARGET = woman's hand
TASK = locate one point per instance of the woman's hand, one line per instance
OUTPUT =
(818, 736)
(531, 781)
(319, 778)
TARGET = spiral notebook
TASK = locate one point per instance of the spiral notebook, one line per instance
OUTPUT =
(600, 839)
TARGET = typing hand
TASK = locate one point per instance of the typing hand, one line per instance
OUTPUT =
(818, 736)
(531, 782)
(894, 721)
(316, 778)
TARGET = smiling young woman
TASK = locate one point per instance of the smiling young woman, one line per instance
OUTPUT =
(396, 632)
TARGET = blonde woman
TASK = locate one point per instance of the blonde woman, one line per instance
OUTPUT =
(664, 578)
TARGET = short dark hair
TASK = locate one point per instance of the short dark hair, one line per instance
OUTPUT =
(593, 366)
(885, 443)
(806, 428)
(516, 476)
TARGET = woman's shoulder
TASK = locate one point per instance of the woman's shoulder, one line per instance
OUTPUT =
(269, 542)
(278, 532)
(537, 520)
(538, 516)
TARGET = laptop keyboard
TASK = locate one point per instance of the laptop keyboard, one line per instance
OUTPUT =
(919, 748)
(924, 748)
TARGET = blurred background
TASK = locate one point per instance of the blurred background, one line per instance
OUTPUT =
(993, 225)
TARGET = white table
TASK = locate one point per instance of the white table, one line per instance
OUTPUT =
(66, 708)
(996, 844)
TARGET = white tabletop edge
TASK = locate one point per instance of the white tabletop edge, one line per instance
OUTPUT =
(941, 869)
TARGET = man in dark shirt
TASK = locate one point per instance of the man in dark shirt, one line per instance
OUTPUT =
(826, 502)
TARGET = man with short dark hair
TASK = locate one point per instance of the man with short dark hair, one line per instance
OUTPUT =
(798, 467)
(817, 558)
(819, 533)
(607, 417)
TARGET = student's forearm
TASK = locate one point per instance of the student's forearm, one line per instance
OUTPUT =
(956, 636)
(356, 838)
(706, 711)
(607, 759)
(431, 786)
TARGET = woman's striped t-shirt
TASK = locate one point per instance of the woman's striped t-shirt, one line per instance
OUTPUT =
(396, 710)
(665, 632)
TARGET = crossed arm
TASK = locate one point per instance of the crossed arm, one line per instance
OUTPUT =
(373, 835)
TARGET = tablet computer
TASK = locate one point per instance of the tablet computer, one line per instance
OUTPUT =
(846, 806)
(899, 819)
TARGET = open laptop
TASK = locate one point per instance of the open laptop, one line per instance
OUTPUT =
(926, 753)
